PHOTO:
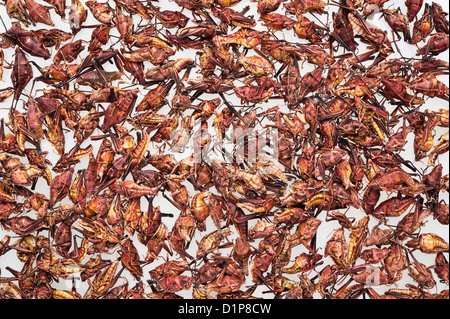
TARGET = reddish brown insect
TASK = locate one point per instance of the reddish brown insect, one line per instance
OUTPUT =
(38, 12)
(278, 21)
(439, 20)
(399, 23)
(413, 7)
(428, 84)
(423, 26)
(437, 43)
(343, 31)
(22, 73)
(68, 52)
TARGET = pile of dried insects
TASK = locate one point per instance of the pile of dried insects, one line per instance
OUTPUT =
(223, 137)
